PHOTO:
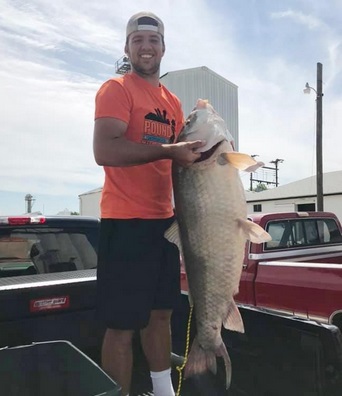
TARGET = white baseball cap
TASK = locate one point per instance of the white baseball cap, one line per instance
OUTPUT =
(145, 21)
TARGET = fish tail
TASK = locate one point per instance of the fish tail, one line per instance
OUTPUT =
(201, 360)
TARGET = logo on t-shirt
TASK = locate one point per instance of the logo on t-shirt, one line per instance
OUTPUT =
(158, 129)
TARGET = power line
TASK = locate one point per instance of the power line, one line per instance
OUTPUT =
(274, 170)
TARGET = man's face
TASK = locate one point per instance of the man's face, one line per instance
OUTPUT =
(145, 50)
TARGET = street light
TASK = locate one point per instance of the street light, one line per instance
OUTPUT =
(308, 89)
(319, 118)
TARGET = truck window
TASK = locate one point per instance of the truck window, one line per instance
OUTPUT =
(311, 231)
(276, 230)
(45, 250)
(302, 232)
(14, 257)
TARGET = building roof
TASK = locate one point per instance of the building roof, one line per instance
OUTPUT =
(332, 184)
(199, 70)
(95, 190)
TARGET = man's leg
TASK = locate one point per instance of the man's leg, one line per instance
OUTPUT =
(156, 340)
(117, 357)
(156, 343)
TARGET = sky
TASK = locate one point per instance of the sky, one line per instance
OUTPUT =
(55, 56)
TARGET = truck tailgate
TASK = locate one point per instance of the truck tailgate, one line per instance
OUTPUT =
(61, 306)
(47, 307)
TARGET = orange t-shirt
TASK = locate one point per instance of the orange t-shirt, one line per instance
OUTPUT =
(154, 116)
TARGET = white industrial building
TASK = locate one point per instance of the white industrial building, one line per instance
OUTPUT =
(299, 196)
(203, 83)
(90, 202)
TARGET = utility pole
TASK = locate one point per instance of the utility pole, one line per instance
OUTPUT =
(319, 123)
(251, 175)
(275, 162)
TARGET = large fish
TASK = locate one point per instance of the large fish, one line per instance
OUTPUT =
(211, 233)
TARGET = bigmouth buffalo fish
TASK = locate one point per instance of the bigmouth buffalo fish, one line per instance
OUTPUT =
(211, 233)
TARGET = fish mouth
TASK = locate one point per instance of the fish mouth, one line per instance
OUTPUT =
(207, 154)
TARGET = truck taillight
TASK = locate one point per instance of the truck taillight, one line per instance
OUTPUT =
(22, 220)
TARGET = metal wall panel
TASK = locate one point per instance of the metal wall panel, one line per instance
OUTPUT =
(201, 82)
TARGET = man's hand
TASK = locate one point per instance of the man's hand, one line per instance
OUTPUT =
(184, 153)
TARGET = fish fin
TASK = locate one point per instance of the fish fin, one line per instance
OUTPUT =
(254, 232)
(240, 161)
(233, 320)
(201, 360)
(222, 352)
(172, 234)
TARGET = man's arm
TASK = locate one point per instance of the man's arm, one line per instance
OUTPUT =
(111, 148)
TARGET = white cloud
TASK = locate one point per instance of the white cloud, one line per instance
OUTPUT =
(308, 21)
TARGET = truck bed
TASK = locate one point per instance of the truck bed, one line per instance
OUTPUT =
(278, 355)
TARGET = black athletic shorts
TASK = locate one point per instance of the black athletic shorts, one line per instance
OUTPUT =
(138, 271)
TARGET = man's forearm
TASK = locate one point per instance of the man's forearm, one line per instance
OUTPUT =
(122, 152)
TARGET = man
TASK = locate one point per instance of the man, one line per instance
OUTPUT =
(136, 122)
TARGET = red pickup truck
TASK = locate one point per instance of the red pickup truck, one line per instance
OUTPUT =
(299, 272)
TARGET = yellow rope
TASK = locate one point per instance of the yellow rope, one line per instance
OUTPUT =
(180, 368)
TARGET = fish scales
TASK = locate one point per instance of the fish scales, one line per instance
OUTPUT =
(213, 244)
(213, 228)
